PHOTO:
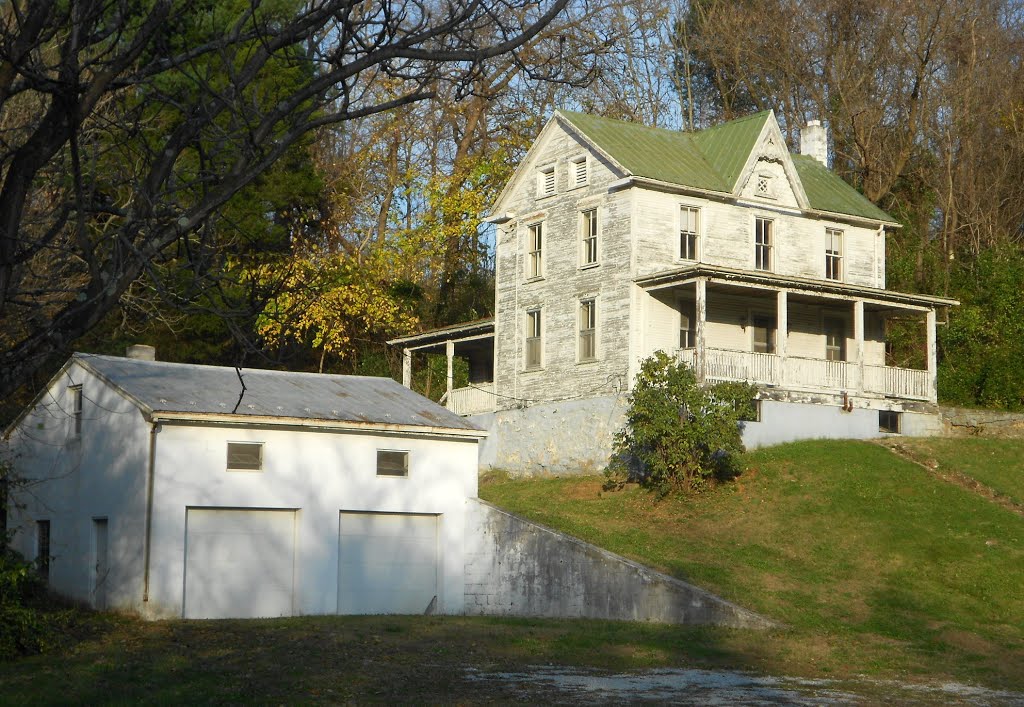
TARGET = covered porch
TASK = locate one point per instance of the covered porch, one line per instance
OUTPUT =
(472, 342)
(790, 333)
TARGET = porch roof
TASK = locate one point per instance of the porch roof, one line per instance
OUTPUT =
(768, 280)
(464, 331)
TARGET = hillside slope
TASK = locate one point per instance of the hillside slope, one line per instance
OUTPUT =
(876, 565)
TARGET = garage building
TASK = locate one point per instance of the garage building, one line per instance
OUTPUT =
(213, 492)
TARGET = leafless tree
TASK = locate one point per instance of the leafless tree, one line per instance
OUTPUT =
(125, 126)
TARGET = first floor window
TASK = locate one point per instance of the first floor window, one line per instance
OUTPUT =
(533, 338)
(245, 456)
(689, 228)
(833, 254)
(588, 330)
(764, 334)
(687, 325)
(535, 256)
(763, 244)
(835, 339)
(392, 463)
(589, 237)
(43, 549)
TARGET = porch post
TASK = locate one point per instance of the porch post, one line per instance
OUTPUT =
(407, 368)
(858, 343)
(933, 358)
(700, 297)
(781, 333)
(449, 349)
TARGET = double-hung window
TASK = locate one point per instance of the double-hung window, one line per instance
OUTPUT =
(833, 254)
(588, 329)
(535, 254)
(689, 230)
(763, 243)
(589, 237)
(533, 339)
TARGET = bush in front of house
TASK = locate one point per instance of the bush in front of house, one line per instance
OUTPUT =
(25, 624)
(679, 436)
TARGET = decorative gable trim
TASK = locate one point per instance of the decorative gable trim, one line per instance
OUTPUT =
(770, 146)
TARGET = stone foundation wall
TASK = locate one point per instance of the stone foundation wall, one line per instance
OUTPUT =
(965, 422)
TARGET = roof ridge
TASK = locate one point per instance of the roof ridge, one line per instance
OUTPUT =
(181, 364)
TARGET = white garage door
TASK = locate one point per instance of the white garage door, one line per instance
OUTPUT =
(239, 563)
(387, 563)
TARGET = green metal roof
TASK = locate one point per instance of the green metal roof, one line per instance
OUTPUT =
(666, 155)
(712, 159)
(827, 192)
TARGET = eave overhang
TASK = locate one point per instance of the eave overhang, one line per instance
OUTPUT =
(754, 278)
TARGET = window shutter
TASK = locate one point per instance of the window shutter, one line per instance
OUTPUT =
(549, 182)
(580, 172)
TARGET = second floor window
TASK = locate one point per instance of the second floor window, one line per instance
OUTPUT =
(689, 228)
(533, 339)
(589, 237)
(75, 403)
(763, 243)
(833, 254)
(535, 255)
(588, 330)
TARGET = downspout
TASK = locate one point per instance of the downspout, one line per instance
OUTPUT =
(150, 472)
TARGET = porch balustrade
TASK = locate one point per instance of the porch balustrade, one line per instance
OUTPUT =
(809, 373)
(471, 400)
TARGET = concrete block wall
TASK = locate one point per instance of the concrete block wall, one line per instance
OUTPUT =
(518, 568)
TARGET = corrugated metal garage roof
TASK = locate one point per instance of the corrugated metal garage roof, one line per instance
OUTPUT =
(189, 389)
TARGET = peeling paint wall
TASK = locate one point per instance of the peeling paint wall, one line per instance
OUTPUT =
(518, 568)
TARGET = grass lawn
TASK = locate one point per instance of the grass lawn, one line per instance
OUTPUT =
(997, 463)
(876, 566)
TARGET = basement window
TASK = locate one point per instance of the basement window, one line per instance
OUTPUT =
(751, 412)
(43, 549)
(890, 421)
(392, 463)
(245, 456)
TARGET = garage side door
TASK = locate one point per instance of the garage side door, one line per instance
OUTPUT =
(239, 563)
(387, 563)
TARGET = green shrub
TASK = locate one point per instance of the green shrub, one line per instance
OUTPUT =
(679, 435)
(28, 621)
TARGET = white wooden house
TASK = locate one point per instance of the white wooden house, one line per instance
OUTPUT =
(749, 263)
(206, 492)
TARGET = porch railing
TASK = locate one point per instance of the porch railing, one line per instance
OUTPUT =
(472, 400)
(813, 373)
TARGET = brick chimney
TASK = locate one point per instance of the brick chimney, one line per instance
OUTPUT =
(142, 352)
(814, 141)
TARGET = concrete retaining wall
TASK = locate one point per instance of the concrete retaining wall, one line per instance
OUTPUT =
(518, 568)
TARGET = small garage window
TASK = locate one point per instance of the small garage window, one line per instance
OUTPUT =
(245, 456)
(392, 463)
